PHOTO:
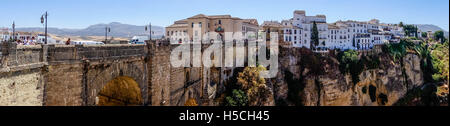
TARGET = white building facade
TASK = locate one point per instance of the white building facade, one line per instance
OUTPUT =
(342, 35)
(298, 29)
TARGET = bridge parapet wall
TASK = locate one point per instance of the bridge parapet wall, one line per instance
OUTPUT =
(19, 57)
(78, 53)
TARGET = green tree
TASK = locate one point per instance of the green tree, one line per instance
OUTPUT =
(347, 59)
(400, 24)
(238, 98)
(314, 36)
(410, 29)
(349, 63)
(439, 35)
(424, 35)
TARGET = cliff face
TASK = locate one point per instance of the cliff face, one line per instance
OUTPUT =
(312, 80)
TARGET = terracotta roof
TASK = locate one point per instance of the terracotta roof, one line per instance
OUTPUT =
(184, 21)
(219, 16)
(251, 21)
(271, 23)
(330, 26)
(299, 12)
(177, 25)
(212, 16)
(199, 16)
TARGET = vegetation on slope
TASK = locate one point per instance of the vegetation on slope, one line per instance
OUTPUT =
(250, 89)
(351, 63)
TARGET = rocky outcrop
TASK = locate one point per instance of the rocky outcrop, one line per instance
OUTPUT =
(315, 80)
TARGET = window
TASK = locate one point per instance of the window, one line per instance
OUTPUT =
(220, 22)
(295, 31)
(200, 24)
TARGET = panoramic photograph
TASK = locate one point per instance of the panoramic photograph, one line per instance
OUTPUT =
(234, 53)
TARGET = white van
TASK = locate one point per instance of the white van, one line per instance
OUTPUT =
(138, 39)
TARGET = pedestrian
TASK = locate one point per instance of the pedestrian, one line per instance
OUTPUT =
(68, 42)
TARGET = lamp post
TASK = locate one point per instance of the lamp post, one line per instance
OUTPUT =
(44, 20)
(14, 31)
(149, 28)
(107, 30)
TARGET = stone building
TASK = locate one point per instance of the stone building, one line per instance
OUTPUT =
(194, 28)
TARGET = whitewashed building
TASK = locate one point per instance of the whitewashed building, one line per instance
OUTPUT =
(344, 35)
(5, 36)
(298, 29)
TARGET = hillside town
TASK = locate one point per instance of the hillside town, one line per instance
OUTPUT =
(317, 63)
(297, 31)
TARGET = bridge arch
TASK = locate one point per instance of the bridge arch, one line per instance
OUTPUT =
(104, 78)
(121, 91)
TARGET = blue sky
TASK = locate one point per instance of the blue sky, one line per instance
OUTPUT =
(82, 13)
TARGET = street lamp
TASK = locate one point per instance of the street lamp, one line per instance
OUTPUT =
(149, 28)
(107, 30)
(14, 31)
(44, 20)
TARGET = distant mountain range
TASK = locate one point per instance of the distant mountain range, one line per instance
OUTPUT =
(128, 31)
(117, 30)
(429, 27)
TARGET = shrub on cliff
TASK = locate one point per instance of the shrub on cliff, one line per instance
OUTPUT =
(311, 61)
(349, 63)
(347, 58)
(399, 50)
(370, 62)
(440, 59)
(396, 50)
(238, 98)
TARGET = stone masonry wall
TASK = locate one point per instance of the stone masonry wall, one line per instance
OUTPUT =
(21, 79)
(159, 76)
(21, 88)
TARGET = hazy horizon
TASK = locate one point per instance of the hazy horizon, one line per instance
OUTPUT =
(79, 14)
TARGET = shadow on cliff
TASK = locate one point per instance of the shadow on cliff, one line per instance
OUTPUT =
(425, 95)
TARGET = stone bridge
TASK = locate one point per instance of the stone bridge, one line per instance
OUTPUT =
(90, 75)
